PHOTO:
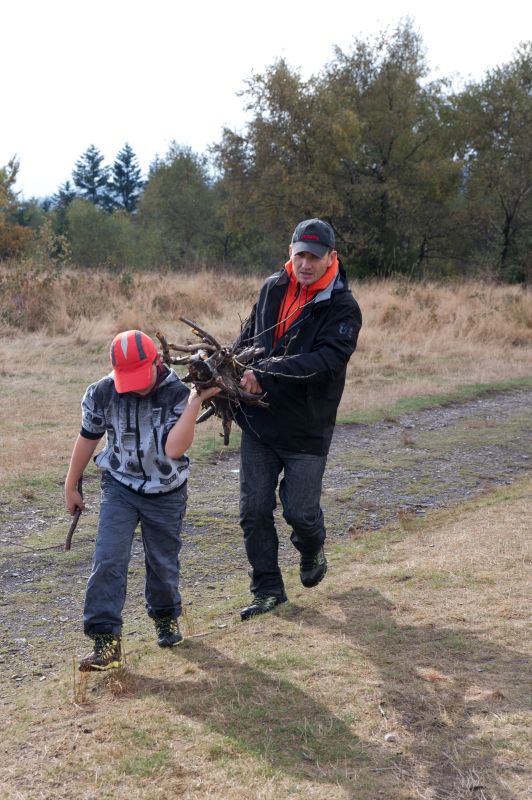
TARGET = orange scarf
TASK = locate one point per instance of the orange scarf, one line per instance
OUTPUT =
(297, 296)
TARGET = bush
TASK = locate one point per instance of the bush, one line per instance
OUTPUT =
(99, 238)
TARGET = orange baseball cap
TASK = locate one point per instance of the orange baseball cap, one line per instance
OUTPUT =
(132, 355)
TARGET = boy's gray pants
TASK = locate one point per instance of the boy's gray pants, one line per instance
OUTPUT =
(161, 519)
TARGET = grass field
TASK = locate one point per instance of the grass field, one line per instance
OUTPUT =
(420, 344)
(404, 675)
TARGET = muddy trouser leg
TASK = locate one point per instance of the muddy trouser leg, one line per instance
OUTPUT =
(107, 584)
(260, 467)
(161, 521)
(300, 493)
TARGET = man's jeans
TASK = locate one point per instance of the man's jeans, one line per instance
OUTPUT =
(299, 492)
(161, 519)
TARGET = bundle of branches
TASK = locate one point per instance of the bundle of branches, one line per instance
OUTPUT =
(210, 364)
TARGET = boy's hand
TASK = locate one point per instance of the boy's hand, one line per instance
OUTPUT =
(205, 394)
(73, 501)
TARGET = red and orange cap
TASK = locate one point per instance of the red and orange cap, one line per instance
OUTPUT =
(132, 355)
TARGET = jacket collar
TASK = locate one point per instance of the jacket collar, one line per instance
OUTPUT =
(339, 284)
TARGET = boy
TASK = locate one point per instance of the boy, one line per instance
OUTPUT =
(149, 416)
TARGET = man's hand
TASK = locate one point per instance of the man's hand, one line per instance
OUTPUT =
(249, 382)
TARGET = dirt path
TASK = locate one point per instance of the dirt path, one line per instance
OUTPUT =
(421, 462)
(435, 457)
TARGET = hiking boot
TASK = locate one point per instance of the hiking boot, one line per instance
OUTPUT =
(168, 633)
(312, 569)
(107, 653)
(262, 603)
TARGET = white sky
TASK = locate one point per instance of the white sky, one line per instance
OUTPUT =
(104, 72)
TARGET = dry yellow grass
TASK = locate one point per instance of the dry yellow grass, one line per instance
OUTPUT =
(407, 636)
(417, 339)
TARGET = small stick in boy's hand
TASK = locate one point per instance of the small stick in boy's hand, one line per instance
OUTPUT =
(75, 518)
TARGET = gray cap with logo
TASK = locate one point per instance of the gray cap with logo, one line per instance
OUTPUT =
(313, 236)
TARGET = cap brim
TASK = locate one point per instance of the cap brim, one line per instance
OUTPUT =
(134, 380)
(309, 247)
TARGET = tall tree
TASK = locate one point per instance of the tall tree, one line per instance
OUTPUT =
(361, 145)
(176, 211)
(64, 195)
(404, 159)
(61, 201)
(279, 170)
(496, 117)
(126, 183)
(91, 178)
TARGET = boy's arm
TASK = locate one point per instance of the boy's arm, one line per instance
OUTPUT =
(81, 455)
(181, 435)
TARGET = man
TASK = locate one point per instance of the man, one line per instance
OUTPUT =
(308, 322)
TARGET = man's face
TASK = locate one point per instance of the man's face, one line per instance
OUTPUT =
(308, 268)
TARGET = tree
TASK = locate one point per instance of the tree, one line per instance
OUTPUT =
(61, 201)
(361, 145)
(402, 180)
(14, 238)
(176, 211)
(280, 169)
(64, 195)
(496, 120)
(91, 178)
(126, 183)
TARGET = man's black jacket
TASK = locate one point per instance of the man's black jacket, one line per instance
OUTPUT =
(303, 374)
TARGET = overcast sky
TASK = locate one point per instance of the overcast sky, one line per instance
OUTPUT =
(104, 72)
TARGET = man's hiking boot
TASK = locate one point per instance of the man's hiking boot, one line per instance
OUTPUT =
(262, 603)
(312, 569)
(168, 633)
(107, 653)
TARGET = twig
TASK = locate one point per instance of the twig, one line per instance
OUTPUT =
(199, 331)
(77, 515)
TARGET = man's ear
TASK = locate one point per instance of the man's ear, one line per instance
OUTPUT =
(290, 251)
(332, 256)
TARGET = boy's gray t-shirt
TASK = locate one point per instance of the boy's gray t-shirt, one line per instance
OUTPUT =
(136, 429)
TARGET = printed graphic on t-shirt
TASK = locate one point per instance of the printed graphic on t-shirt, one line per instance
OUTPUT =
(136, 429)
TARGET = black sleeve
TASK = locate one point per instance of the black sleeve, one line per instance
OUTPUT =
(88, 435)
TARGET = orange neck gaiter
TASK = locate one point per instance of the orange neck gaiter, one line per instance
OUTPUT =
(297, 296)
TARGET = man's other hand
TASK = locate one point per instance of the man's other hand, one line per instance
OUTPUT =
(249, 382)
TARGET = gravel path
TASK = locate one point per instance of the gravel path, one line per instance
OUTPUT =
(452, 453)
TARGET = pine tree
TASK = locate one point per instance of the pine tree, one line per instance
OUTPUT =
(64, 195)
(126, 183)
(91, 178)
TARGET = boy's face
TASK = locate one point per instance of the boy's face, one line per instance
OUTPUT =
(148, 389)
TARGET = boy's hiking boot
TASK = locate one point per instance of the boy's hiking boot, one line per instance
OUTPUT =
(262, 603)
(168, 633)
(107, 653)
(312, 569)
